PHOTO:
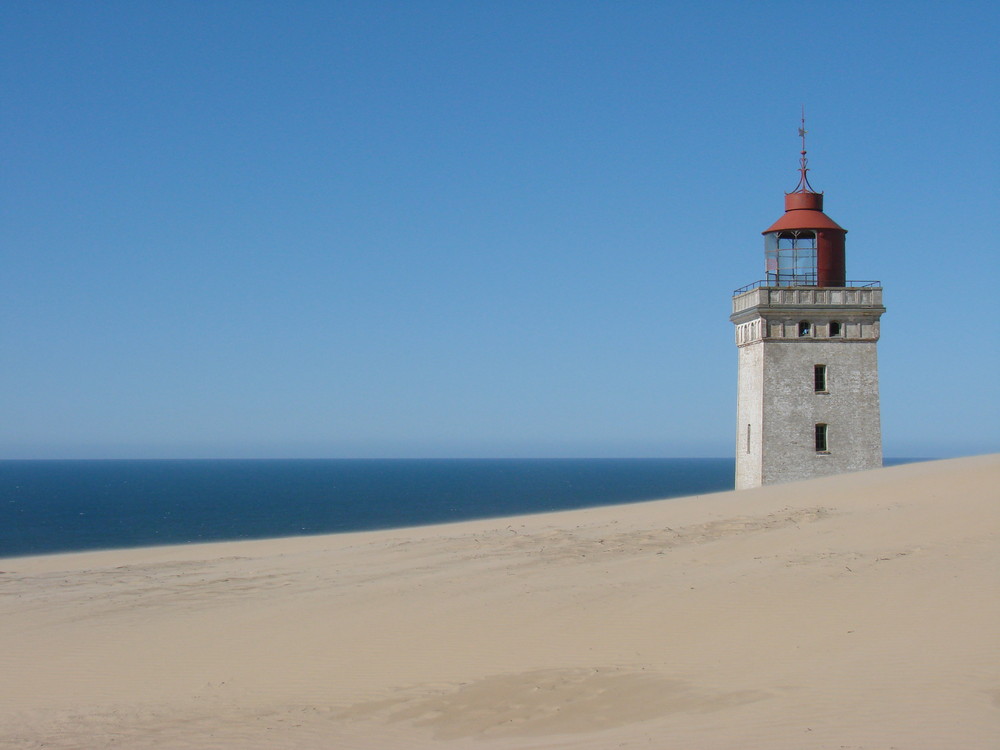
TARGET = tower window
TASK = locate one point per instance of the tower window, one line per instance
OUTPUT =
(834, 328)
(821, 441)
(804, 328)
(819, 378)
(748, 438)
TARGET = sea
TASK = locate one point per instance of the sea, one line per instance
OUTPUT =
(62, 506)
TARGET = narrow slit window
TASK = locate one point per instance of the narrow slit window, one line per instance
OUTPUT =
(834, 329)
(822, 445)
(819, 378)
(748, 438)
(804, 328)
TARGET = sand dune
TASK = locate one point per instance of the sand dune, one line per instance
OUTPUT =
(859, 611)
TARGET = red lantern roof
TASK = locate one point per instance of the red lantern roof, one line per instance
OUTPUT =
(803, 210)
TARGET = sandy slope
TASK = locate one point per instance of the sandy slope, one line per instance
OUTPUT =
(860, 611)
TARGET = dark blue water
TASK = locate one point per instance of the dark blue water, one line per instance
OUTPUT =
(59, 506)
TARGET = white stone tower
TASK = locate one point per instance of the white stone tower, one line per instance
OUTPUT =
(808, 401)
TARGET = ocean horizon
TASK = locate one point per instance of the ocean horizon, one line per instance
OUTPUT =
(52, 506)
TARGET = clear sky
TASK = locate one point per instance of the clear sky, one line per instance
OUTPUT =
(421, 229)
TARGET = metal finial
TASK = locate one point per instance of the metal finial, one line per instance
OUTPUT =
(803, 186)
(802, 129)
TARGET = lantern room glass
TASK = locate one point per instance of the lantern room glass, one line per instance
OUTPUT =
(790, 258)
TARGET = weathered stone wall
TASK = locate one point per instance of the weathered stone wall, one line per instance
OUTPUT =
(777, 404)
(791, 409)
(749, 417)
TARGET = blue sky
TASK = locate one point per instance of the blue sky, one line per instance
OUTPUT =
(366, 229)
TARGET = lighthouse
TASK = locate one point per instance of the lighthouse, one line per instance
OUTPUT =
(808, 399)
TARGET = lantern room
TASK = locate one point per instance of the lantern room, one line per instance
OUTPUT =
(805, 247)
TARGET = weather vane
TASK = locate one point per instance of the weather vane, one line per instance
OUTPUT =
(803, 186)
(802, 129)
